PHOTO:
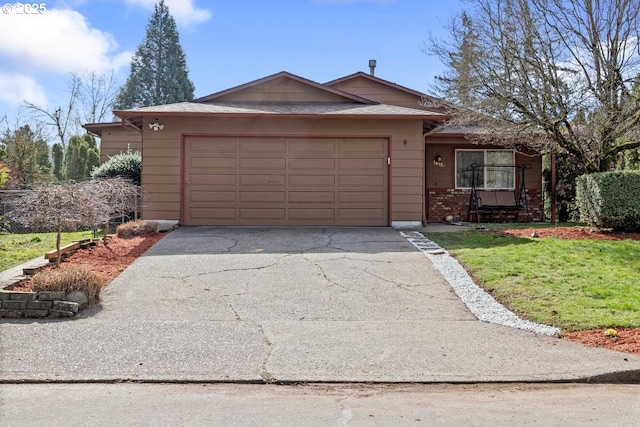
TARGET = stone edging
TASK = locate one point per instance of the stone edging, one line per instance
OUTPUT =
(52, 304)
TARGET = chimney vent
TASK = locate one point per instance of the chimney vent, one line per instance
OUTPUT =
(372, 67)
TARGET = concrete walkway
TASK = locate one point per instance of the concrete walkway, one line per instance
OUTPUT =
(289, 305)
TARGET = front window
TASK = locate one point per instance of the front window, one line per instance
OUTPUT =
(494, 175)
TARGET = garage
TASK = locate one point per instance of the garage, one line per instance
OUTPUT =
(285, 181)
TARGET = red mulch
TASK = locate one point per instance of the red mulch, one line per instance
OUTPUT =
(107, 261)
(571, 233)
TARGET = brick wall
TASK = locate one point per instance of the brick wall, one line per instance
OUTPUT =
(444, 202)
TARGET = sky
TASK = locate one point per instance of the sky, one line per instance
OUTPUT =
(226, 42)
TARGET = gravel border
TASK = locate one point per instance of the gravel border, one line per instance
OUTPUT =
(481, 304)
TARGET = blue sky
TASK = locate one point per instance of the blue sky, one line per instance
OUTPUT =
(226, 42)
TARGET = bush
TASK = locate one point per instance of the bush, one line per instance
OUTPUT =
(125, 165)
(136, 228)
(610, 200)
(68, 280)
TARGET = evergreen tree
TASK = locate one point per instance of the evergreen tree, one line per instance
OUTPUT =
(159, 72)
(80, 158)
(26, 155)
(57, 152)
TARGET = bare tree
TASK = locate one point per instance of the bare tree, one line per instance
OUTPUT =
(526, 71)
(63, 207)
(98, 93)
(120, 196)
(63, 120)
(67, 207)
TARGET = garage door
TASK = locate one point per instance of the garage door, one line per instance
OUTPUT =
(285, 181)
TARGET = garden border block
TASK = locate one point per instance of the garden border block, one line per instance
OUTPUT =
(52, 304)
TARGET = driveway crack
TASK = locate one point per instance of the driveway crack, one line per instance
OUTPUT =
(332, 283)
(399, 285)
(267, 377)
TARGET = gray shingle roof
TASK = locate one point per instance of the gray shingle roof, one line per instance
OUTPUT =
(296, 108)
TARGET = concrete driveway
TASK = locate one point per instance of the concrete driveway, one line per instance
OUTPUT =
(289, 305)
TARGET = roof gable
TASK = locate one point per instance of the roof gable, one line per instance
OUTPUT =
(283, 87)
(384, 91)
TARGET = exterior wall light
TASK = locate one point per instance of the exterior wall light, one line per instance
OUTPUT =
(156, 126)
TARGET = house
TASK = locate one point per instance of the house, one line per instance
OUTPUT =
(284, 150)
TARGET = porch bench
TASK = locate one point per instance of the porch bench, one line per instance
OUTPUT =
(490, 202)
(497, 200)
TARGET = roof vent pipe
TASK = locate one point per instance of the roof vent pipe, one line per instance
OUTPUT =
(372, 67)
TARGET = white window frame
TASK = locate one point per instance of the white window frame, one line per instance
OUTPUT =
(484, 151)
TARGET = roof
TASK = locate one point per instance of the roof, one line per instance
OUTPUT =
(360, 74)
(266, 109)
(98, 128)
(241, 101)
(282, 76)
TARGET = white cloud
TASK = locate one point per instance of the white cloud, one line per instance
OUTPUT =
(185, 12)
(59, 41)
(15, 88)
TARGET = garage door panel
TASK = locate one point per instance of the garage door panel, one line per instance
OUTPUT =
(262, 196)
(364, 181)
(262, 213)
(213, 179)
(312, 215)
(261, 146)
(358, 146)
(285, 181)
(263, 164)
(213, 196)
(354, 165)
(373, 197)
(312, 164)
(214, 163)
(312, 181)
(213, 213)
(210, 145)
(312, 197)
(263, 180)
(369, 214)
(316, 146)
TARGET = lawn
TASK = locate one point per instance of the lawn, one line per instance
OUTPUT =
(571, 284)
(18, 248)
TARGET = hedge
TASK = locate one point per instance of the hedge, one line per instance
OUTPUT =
(610, 200)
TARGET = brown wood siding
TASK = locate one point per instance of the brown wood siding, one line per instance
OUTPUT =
(282, 90)
(380, 93)
(119, 140)
(405, 136)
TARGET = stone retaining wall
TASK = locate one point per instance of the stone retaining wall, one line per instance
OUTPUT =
(52, 304)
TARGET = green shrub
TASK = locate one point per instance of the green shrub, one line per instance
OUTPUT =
(126, 165)
(68, 280)
(136, 228)
(610, 200)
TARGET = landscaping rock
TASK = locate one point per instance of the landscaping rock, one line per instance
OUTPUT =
(60, 313)
(39, 305)
(65, 306)
(36, 313)
(79, 297)
(13, 305)
(11, 313)
(50, 295)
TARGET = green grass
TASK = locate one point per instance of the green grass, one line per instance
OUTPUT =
(571, 284)
(18, 248)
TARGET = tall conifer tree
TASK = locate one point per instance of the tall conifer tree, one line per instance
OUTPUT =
(159, 72)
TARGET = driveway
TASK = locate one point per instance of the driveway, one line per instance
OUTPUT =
(289, 305)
